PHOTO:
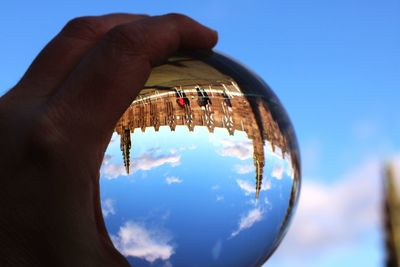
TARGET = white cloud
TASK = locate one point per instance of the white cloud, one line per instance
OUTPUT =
(277, 171)
(335, 215)
(290, 171)
(112, 171)
(247, 221)
(109, 170)
(107, 207)
(220, 198)
(106, 160)
(246, 186)
(267, 203)
(241, 150)
(173, 180)
(243, 169)
(136, 240)
(250, 188)
(145, 162)
(150, 159)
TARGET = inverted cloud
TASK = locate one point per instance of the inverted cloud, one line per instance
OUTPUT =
(145, 162)
(247, 221)
(250, 188)
(106, 160)
(151, 159)
(243, 169)
(173, 180)
(110, 170)
(277, 171)
(136, 240)
(241, 150)
(107, 207)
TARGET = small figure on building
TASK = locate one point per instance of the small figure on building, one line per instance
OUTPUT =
(203, 98)
(181, 98)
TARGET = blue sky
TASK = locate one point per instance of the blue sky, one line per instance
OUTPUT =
(190, 198)
(335, 66)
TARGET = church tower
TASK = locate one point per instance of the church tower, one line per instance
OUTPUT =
(258, 158)
(125, 148)
(259, 174)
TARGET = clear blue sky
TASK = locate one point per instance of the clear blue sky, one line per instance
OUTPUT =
(334, 64)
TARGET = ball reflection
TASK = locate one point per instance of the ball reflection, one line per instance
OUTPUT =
(202, 170)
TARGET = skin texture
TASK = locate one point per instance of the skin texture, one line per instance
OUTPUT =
(55, 125)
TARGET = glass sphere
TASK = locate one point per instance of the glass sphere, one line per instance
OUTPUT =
(202, 169)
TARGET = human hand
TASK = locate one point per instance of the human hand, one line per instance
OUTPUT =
(55, 125)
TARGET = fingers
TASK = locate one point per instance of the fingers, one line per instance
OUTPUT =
(112, 74)
(157, 37)
(53, 65)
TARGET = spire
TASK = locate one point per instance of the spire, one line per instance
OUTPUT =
(259, 158)
(259, 175)
(125, 148)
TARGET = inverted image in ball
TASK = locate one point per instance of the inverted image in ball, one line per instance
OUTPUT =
(203, 168)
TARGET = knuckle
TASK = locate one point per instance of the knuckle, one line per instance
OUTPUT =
(129, 38)
(178, 18)
(45, 136)
(85, 28)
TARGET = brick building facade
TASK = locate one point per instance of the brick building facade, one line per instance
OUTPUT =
(211, 106)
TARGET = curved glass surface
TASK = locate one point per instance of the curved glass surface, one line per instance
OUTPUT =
(203, 168)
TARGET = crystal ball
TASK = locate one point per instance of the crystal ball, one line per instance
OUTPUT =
(202, 169)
